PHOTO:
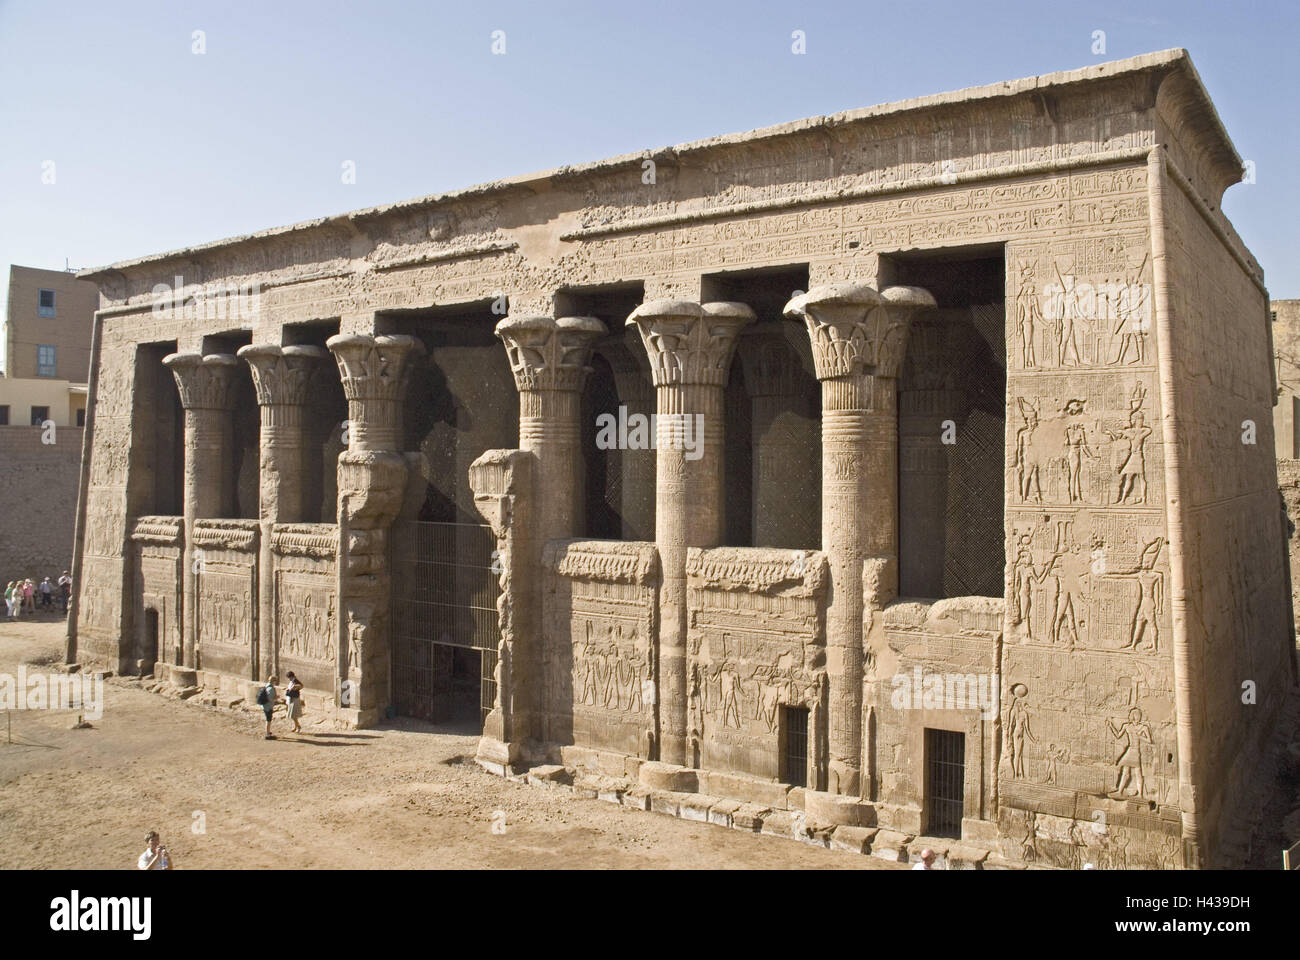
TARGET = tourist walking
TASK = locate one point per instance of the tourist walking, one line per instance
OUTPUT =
(65, 589)
(266, 699)
(9, 600)
(47, 593)
(29, 597)
(293, 701)
(155, 856)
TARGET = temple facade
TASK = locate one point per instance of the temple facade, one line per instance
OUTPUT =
(911, 468)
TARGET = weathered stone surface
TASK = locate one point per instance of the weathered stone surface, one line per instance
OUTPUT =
(890, 845)
(1024, 327)
(854, 839)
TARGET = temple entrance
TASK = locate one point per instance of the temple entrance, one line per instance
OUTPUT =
(150, 651)
(445, 623)
(945, 782)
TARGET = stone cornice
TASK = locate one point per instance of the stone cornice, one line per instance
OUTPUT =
(945, 109)
(976, 617)
(603, 561)
(797, 573)
(239, 535)
(319, 541)
(164, 531)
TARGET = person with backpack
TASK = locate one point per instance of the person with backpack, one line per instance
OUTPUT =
(266, 699)
(293, 701)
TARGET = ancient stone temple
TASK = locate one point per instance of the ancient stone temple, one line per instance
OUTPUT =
(911, 468)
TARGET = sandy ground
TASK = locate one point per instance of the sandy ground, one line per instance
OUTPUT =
(406, 795)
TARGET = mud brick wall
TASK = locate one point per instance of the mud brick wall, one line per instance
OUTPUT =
(40, 496)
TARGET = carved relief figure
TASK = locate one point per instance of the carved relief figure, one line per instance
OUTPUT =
(1055, 755)
(1018, 729)
(732, 697)
(1150, 600)
(584, 666)
(695, 704)
(1132, 734)
(1027, 457)
(1133, 470)
(1076, 448)
(1067, 313)
(1028, 312)
(1023, 578)
(1068, 571)
(635, 672)
(1132, 317)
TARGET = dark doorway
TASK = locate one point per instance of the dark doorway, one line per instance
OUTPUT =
(445, 621)
(151, 652)
(794, 752)
(156, 484)
(619, 479)
(952, 428)
(945, 782)
(772, 463)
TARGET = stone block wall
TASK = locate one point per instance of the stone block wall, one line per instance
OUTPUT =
(600, 645)
(40, 496)
(755, 645)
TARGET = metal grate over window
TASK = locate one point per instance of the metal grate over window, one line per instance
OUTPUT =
(444, 596)
(794, 723)
(945, 782)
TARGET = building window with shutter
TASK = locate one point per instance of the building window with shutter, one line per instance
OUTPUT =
(45, 303)
(45, 363)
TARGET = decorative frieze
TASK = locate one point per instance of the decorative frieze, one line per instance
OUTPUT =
(239, 535)
(160, 531)
(800, 573)
(316, 541)
(603, 561)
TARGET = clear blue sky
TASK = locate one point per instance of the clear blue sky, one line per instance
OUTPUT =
(156, 147)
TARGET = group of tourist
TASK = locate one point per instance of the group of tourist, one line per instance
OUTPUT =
(25, 597)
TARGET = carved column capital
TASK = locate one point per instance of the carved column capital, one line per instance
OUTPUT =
(855, 330)
(547, 353)
(690, 343)
(204, 382)
(281, 374)
(374, 370)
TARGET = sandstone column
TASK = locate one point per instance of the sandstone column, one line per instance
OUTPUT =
(784, 436)
(858, 339)
(550, 360)
(690, 347)
(204, 384)
(371, 480)
(280, 376)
